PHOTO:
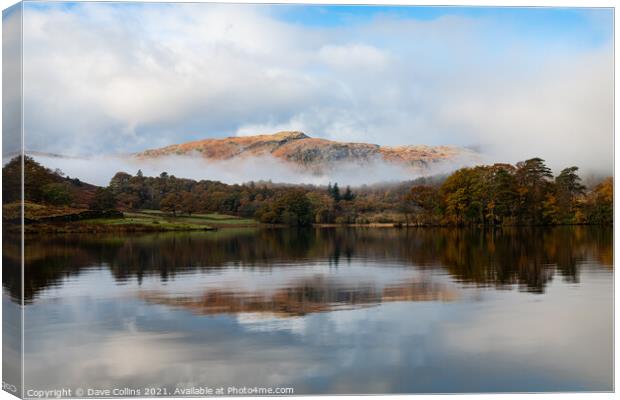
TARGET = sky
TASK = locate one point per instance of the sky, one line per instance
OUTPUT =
(513, 83)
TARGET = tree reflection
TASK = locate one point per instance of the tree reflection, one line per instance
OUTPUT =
(526, 257)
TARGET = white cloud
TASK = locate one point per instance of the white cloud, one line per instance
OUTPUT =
(352, 56)
(103, 78)
(11, 90)
(99, 170)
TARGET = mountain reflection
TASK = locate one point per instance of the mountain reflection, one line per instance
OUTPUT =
(305, 297)
(528, 257)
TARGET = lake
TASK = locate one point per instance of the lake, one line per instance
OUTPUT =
(322, 311)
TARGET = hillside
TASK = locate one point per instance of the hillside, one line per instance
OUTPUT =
(313, 154)
(42, 185)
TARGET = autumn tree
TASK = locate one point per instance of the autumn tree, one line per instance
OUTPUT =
(422, 203)
(322, 206)
(120, 182)
(568, 189)
(188, 202)
(600, 202)
(127, 201)
(292, 207)
(58, 193)
(296, 208)
(12, 180)
(170, 203)
(104, 199)
(502, 193)
(35, 180)
(461, 205)
(533, 180)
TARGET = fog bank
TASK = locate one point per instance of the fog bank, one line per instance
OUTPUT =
(99, 170)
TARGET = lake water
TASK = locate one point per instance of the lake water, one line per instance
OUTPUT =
(323, 311)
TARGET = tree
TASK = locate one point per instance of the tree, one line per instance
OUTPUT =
(56, 193)
(348, 194)
(568, 189)
(568, 181)
(170, 203)
(12, 180)
(458, 192)
(323, 207)
(297, 203)
(551, 210)
(231, 203)
(104, 199)
(292, 207)
(503, 194)
(335, 192)
(120, 182)
(188, 202)
(422, 202)
(127, 201)
(533, 182)
(35, 178)
(600, 203)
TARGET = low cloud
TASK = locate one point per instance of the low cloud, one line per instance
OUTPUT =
(99, 170)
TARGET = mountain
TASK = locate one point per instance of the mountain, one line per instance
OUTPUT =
(314, 154)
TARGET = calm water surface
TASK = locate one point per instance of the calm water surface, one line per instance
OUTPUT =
(322, 311)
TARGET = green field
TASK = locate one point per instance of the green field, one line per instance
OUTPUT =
(155, 222)
(141, 220)
(164, 221)
(216, 220)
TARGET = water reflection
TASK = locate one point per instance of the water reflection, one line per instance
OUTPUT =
(323, 311)
(318, 294)
(525, 257)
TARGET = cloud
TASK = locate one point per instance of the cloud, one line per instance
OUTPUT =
(99, 170)
(11, 70)
(352, 56)
(108, 78)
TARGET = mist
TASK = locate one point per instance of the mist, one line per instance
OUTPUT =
(99, 170)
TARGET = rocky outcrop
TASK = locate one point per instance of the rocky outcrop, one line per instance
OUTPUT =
(311, 153)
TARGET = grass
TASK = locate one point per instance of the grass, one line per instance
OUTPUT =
(216, 220)
(139, 221)
(35, 210)
(157, 220)
(153, 222)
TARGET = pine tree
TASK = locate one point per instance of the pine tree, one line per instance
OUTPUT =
(336, 192)
(348, 194)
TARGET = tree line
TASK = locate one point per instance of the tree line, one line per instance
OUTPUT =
(501, 194)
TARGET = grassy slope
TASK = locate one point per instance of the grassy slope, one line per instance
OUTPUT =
(162, 221)
(34, 210)
(143, 220)
(217, 220)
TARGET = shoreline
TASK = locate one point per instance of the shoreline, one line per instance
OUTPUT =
(97, 228)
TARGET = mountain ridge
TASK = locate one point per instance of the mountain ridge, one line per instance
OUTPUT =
(297, 148)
